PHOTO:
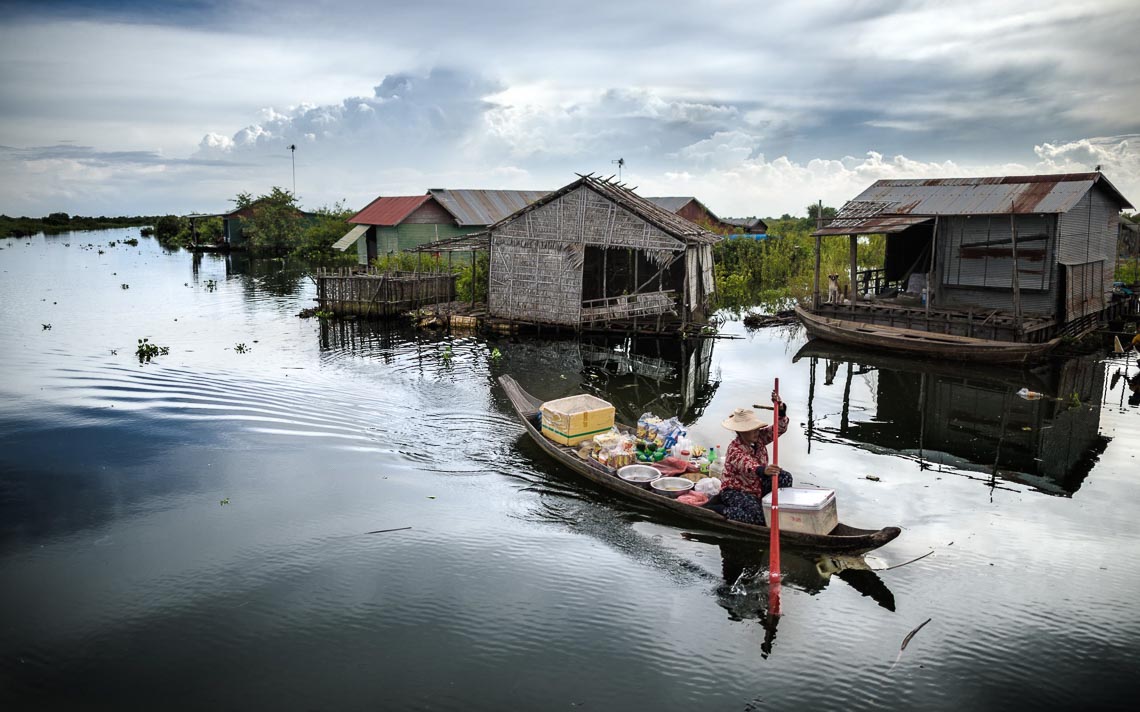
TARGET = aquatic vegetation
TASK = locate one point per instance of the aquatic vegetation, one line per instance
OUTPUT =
(496, 354)
(147, 351)
(132, 241)
(124, 286)
(211, 285)
(241, 348)
(47, 327)
(223, 502)
(446, 354)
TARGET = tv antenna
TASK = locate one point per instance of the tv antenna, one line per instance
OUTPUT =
(293, 155)
(620, 162)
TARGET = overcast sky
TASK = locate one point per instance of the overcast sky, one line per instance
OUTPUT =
(144, 107)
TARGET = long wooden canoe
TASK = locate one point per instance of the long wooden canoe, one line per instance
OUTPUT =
(923, 343)
(842, 539)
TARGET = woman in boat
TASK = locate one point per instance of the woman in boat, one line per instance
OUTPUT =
(747, 474)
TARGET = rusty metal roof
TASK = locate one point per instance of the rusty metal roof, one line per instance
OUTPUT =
(484, 207)
(665, 220)
(894, 205)
(387, 212)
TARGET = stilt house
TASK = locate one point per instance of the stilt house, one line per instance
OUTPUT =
(595, 252)
(1018, 258)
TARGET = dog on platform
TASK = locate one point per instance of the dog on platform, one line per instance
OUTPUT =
(832, 288)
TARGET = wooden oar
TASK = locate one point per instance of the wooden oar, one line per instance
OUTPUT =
(774, 525)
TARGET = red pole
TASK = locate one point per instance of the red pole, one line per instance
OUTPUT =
(774, 547)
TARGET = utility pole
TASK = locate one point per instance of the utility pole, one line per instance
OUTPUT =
(293, 155)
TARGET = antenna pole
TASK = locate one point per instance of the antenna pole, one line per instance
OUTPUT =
(293, 156)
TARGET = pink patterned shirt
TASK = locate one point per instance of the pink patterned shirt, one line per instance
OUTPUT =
(742, 460)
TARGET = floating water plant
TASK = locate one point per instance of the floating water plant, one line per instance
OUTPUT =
(47, 327)
(447, 354)
(211, 285)
(496, 354)
(146, 351)
(125, 286)
(241, 348)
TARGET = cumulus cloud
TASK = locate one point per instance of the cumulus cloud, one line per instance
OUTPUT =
(406, 111)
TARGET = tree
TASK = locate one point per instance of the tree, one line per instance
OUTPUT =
(243, 200)
(276, 224)
(329, 224)
(828, 213)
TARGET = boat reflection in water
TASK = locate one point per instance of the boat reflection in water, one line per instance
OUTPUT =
(966, 418)
(744, 590)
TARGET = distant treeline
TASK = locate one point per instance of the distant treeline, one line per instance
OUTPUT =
(62, 222)
(273, 225)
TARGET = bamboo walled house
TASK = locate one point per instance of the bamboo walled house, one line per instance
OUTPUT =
(1015, 258)
(594, 252)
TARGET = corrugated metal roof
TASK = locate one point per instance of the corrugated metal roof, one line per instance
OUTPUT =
(672, 204)
(387, 212)
(892, 205)
(666, 220)
(484, 207)
(350, 237)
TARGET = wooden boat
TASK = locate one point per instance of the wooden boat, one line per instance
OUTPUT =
(923, 343)
(842, 539)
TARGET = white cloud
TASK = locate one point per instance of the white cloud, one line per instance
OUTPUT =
(726, 99)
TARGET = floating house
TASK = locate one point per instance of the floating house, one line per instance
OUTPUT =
(1016, 261)
(391, 224)
(233, 236)
(594, 253)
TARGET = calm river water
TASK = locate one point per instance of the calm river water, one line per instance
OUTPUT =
(197, 532)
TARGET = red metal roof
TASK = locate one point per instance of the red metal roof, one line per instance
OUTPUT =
(387, 212)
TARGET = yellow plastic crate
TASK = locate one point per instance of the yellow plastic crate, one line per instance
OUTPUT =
(571, 420)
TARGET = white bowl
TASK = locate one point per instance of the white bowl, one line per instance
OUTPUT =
(671, 486)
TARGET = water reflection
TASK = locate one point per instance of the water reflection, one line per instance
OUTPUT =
(667, 376)
(967, 418)
(273, 276)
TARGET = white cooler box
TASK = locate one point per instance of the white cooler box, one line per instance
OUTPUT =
(804, 509)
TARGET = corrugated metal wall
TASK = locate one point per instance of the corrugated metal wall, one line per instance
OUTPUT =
(980, 276)
(1087, 246)
(967, 261)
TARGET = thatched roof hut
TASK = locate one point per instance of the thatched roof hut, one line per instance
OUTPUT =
(595, 253)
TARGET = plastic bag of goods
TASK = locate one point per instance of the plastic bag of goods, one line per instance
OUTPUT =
(709, 486)
(694, 498)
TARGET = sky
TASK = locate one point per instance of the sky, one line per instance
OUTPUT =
(758, 109)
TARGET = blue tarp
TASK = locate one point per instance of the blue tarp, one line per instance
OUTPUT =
(756, 236)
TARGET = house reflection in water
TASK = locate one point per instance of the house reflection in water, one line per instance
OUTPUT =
(969, 418)
(666, 376)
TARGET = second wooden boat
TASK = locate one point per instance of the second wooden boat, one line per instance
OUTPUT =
(923, 343)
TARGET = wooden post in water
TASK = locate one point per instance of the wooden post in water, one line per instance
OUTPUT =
(1016, 286)
(818, 226)
(854, 270)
